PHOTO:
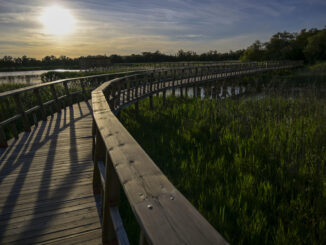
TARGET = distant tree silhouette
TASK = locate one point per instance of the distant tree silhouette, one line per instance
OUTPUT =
(315, 49)
(307, 45)
(254, 52)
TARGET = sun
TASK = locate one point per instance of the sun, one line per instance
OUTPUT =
(57, 20)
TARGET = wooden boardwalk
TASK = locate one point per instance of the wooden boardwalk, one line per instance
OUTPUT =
(46, 194)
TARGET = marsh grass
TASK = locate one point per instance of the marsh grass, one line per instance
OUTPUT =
(255, 168)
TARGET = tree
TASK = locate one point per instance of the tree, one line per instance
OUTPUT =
(255, 52)
(281, 46)
(316, 47)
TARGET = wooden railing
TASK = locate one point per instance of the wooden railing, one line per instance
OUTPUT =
(26, 106)
(164, 215)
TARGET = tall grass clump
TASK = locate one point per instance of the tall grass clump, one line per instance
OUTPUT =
(255, 168)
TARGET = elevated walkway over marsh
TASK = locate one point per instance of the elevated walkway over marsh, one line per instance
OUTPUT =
(73, 147)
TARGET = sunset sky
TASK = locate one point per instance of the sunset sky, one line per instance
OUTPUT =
(89, 27)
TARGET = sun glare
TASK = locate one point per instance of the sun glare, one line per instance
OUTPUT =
(57, 20)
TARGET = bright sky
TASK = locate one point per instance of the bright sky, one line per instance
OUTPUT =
(89, 27)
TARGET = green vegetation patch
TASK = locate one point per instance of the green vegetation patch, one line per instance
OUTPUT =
(255, 168)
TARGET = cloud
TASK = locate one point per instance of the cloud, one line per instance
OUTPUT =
(126, 26)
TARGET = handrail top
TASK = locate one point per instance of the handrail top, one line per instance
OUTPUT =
(25, 89)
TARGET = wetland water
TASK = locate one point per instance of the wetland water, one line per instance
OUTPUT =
(27, 77)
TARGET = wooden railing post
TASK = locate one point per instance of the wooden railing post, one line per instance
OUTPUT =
(136, 97)
(69, 99)
(145, 84)
(158, 82)
(20, 110)
(128, 89)
(82, 84)
(98, 155)
(3, 139)
(151, 102)
(116, 95)
(196, 74)
(111, 199)
(182, 76)
(117, 101)
(39, 101)
(55, 97)
(173, 81)
(189, 75)
(14, 130)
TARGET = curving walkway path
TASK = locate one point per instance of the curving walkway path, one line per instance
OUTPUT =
(46, 191)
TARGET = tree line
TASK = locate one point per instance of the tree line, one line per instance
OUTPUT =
(308, 45)
(8, 62)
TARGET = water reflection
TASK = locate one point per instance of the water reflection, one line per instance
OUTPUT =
(27, 77)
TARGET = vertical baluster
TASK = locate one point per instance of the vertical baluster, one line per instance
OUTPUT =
(134, 87)
(127, 82)
(124, 92)
(144, 84)
(114, 97)
(151, 102)
(51, 110)
(118, 95)
(14, 130)
(20, 110)
(111, 199)
(35, 119)
(55, 97)
(136, 95)
(196, 74)
(166, 79)
(98, 155)
(173, 81)
(3, 138)
(158, 83)
(40, 103)
(69, 99)
(82, 84)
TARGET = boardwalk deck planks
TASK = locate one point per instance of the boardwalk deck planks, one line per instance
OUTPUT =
(46, 193)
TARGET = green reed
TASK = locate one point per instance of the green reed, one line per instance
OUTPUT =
(255, 168)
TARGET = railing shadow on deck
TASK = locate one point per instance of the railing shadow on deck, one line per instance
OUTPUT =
(19, 155)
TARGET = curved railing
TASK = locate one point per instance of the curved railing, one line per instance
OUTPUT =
(164, 215)
(24, 106)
